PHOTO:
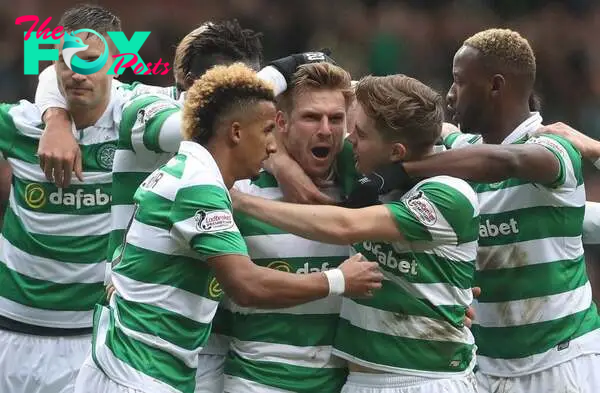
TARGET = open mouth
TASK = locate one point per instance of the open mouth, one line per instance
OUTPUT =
(320, 151)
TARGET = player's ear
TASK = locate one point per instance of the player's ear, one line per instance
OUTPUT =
(235, 133)
(281, 121)
(397, 152)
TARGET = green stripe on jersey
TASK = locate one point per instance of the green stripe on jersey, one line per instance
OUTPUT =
(138, 153)
(54, 240)
(415, 322)
(298, 340)
(530, 233)
(166, 294)
(394, 352)
(305, 379)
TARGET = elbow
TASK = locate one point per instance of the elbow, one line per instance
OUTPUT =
(248, 294)
(509, 165)
(345, 233)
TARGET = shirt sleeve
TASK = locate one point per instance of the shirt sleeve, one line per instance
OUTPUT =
(152, 122)
(47, 94)
(444, 211)
(202, 216)
(347, 175)
(591, 223)
(457, 140)
(570, 173)
(136, 88)
(8, 130)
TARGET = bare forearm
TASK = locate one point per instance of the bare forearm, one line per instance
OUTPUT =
(486, 164)
(322, 223)
(275, 289)
(57, 117)
(594, 151)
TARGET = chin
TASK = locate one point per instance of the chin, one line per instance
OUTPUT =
(77, 101)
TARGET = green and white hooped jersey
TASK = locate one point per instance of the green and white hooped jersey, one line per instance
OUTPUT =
(536, 307)
(149, 122)
(53, 243)
(413, 326)
(166, 295)
(285, 349)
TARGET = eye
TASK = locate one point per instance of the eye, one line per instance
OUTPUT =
(312, 117)
(336, 119)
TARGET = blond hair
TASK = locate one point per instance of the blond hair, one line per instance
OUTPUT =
(404, 109)
(505, 50)
(317, 76)
(216, 93)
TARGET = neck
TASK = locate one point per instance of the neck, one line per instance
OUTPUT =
(505, 122)
(222, 157)
(85, 116)
(420, 156)
(323, 180)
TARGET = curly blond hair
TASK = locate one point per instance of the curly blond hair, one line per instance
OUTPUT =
(505, 49)
(216, 93)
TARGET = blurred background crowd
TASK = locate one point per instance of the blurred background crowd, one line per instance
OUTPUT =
(415, 37)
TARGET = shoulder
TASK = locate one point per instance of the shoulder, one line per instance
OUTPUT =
(151, 103)
(569, 158)
(136, 88)
(442, 193)
(140, 109)
(264, 185)
(556, 144)
(456, 140)
(23, 116)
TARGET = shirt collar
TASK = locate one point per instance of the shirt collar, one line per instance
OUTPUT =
(531, 124)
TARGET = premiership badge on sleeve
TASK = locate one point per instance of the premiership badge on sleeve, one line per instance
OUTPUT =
(213, 221)
(421, 207)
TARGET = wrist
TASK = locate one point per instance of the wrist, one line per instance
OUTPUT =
(336, 281)
(275, 162)
(52, 115)
(272, 75)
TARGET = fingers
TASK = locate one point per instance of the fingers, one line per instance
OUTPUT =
(476, 292)
(322, 199)
(67, 170)
(59, 170)
(78, 168)
(42, 159)
(468, 322)
(59, 173)
(48, 167)
(355, 258)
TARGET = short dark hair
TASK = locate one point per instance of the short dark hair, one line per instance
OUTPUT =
(209, 45)
(217, 93)
(404, 109)
(88, 16)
